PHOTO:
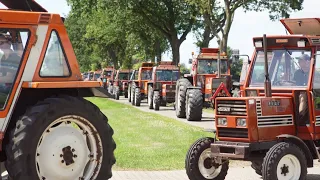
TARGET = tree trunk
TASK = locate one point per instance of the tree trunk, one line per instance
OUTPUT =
(175, 47)
(206, 38)
(158, 50)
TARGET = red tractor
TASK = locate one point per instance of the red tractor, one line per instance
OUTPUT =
(276, 123)
(206, 81)
(138, 79)
(120, 85)
(161, 89)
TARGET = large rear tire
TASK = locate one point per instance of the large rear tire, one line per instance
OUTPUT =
(180, 99)
(156, 100)
(194, 105)
(199, 165)
(150, 97)
(284, 160)
(133, 88)
(137, 96)
(129, 92)
(61, 138)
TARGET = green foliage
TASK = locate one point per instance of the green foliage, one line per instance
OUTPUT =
(184, 69)
(173, 19)
(104, 31)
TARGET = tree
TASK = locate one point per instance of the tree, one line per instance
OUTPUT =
(174, 19)
(184, 69)
(218, 16)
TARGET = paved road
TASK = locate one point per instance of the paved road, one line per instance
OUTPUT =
(207, 121)
(238, 170)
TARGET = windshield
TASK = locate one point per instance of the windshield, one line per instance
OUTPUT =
(146, 75)
(123, 76)
(167, 75)
(210, 66)
(97, 75)
(287, 68)
(107, 73)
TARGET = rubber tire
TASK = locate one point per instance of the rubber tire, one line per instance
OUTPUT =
(150, 97)
(275, 153)
(126, 94)
(133, 87)
(163, 103)
(116, 92)
(156, 100)
(257, 167)
(137, 96)
(129, 92)
(194, 105)
(192, 159)
(181, 90)
(20, 151)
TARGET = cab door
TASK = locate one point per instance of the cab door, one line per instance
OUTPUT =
(315, 95)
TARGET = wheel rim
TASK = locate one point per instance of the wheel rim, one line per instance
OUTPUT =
(288, 168)
(70, 148)
(205, 166)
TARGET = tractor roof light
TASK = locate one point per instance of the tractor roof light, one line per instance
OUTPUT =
(258, 44)
(301, 43)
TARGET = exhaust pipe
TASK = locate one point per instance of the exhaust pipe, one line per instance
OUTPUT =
(267, 83)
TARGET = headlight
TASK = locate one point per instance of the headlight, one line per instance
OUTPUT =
(241, 122)
(222, 121)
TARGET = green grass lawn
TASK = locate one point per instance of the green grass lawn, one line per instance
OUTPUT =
(147, 141)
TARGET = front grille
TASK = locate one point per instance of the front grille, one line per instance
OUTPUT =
(234, 107)
(233, 132)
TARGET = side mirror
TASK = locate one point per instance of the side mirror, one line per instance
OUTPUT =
(190, 61)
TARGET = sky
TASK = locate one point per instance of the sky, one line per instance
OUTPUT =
(245, 26)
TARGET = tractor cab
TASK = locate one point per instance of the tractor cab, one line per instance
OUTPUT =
(121, 80)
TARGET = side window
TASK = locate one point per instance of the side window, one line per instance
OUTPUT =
(12, 46)
(54, 63)
(316, 82)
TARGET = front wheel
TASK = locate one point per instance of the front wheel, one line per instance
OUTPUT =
(61, 138)
(199, 164)
(284, 160)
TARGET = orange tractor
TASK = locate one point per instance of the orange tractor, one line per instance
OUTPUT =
(276, 122)
(48, 130)
(161, 89)
(138, 79)
(120, 86)
(108, 74)
(206, 81)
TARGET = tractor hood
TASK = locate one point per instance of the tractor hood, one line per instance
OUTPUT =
(305, 26)
(23, 5)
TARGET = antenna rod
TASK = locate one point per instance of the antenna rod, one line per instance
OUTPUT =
(267, 83)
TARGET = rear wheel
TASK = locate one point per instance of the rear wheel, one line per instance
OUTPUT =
(257, 166)
(133, 88)
(61, 138)
(199, 164)
(137, 96)
(150, 97)
(194, 105)
(129, 93)
(156, 100)
(284, 161)
(180, 99)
